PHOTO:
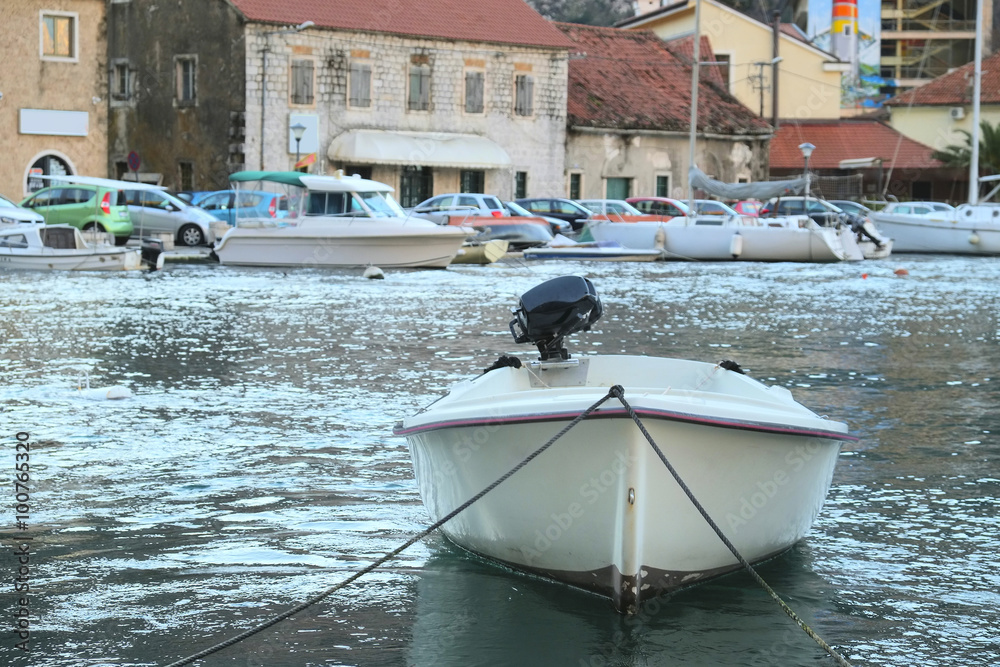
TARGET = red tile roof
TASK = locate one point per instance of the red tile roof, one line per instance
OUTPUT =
(795, 31)
(837, 140)
(955, 87)
(630, 79)
(494, 21)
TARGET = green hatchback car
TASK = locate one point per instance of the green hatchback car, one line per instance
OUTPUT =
(88, 204)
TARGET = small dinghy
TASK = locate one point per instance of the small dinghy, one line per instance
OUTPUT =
(598, 509)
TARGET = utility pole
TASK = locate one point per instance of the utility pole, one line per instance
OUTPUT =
(774, 68)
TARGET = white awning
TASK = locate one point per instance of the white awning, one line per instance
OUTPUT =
(431, 149)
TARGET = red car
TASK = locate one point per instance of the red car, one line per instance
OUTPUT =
(748, 207)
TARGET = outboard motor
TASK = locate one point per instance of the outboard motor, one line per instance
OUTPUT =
(553, 310)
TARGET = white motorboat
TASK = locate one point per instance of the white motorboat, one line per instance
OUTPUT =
(728, 238)
(598, 509)
(970, 229)
(62, 248)
(336, 221)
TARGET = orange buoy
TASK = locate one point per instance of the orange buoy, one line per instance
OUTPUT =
(901, 272)
(864, 276)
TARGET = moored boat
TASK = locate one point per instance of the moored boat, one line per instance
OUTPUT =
(598, 510)
(37, 246)
(336, 221)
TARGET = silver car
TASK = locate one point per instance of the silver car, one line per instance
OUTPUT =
(154, 211)
(12, 213)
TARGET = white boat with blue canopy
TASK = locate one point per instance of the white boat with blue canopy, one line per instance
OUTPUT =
(335, 221)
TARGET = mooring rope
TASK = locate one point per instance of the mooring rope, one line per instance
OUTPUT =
(619, 393)
(395, 552)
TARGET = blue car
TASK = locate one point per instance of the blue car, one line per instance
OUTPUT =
(225, 205)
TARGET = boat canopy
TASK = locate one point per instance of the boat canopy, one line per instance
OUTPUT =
(762, 190)
(337, 183)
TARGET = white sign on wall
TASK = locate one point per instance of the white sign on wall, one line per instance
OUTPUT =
(54, 122)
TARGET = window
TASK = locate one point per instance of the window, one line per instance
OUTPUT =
(574, 185)
(474, 92)
(473, 181)
(121, 82)
(302, 82)
(662, 186)
(186, 173)
(186, 79)
(524, 93)
(59, 36)
(520, 184)
(420, 88)
(725, 61)
(416, 185)
(361, 85)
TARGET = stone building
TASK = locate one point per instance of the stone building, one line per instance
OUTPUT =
(629, 117)
(475, 102)
(52, 87)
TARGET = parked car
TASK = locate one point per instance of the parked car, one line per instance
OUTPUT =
(610, 207)
(440, 208)
(664, 206)
(917, 207)
(823, 212)
(154, 211)
(85, 203)
(712, 207)
(12, 213)
(226, 206)
(851, 207)
(564, 209)
(557, 225)
(748, 207)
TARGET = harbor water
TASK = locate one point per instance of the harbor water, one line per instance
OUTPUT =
(255, 466)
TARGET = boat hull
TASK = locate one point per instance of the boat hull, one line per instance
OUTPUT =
(599, 510)
(950, 233)
(727, 242)
(72, 260)
(393, 246)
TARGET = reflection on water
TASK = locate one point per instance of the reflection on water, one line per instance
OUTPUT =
(255, 465)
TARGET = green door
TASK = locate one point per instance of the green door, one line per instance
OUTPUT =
(619, 188)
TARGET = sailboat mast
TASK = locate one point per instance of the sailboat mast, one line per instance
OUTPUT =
(976, 84)
(694, 100)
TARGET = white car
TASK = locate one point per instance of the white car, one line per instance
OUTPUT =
(916, 208)
(11, 213)
(610, 207)
(441, 207)
(155, 211)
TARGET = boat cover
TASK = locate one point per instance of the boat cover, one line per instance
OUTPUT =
(762, 190)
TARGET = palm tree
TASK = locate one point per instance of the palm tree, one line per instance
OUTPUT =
(959, 155)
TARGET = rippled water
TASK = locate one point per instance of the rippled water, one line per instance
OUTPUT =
(255, 465)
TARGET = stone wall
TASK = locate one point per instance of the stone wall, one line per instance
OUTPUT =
(597, 155)
(29, 81)
(535, 144)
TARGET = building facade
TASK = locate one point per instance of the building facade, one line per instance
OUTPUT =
(628, 128)
(53, 112)
(809, 79)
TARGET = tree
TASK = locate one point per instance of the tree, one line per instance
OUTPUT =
(959, 155)
(587, 12)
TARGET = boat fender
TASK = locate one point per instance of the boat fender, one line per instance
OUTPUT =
(373, 273)
(974, 238)
(504, 361)
(736, 245)
(660, 240)
(731, 365)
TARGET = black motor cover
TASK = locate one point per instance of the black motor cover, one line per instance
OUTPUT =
(555, 309)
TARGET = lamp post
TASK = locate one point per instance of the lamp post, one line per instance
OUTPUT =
(263, 76)
(297, 131)
(807, 150)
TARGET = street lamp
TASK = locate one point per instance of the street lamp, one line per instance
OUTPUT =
(807, 150)
(263, 76)
(297, 131)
